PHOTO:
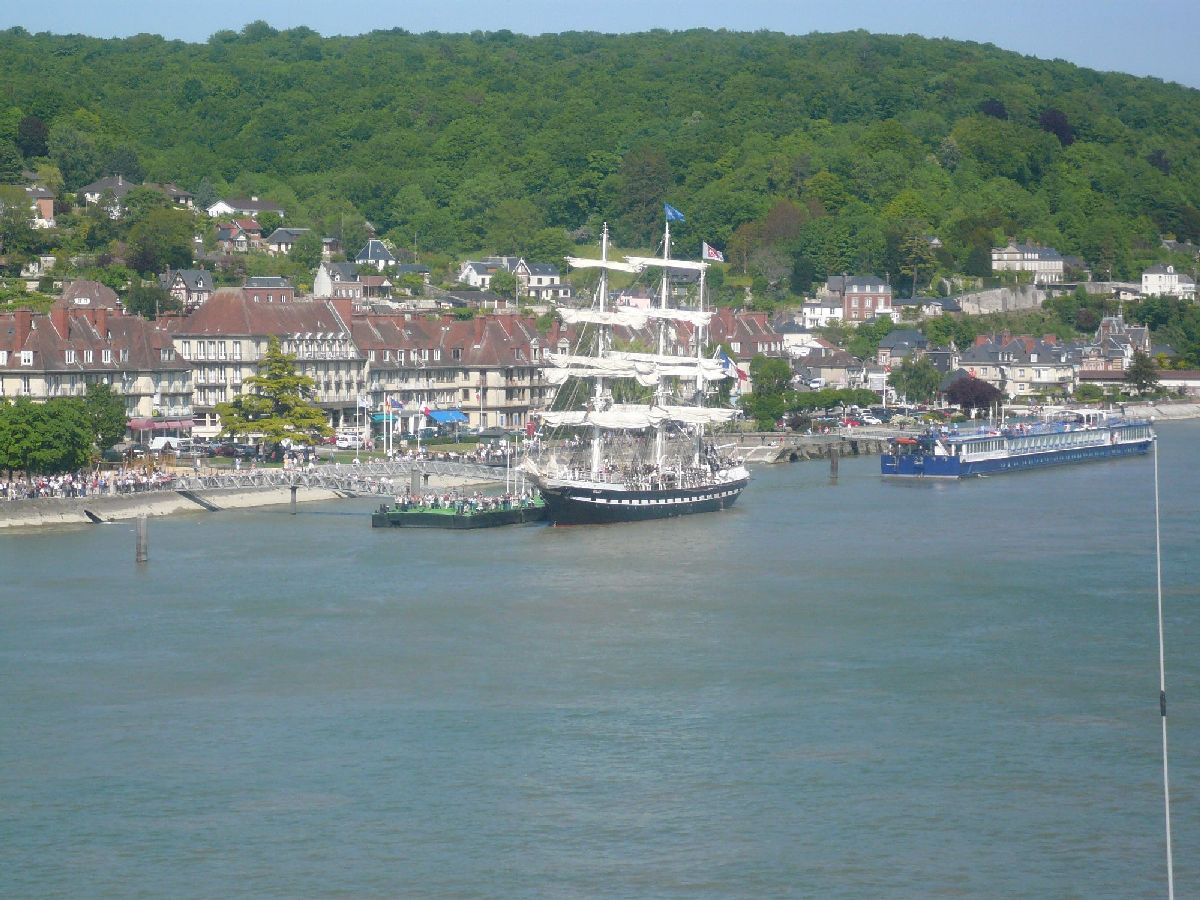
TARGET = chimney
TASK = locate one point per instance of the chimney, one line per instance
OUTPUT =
(102, 321)
(58, 318)
(479, 326)
(22, 325)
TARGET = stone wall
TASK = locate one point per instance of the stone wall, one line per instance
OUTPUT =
(63, 511)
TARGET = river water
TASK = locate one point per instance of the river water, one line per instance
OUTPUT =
(850, 689)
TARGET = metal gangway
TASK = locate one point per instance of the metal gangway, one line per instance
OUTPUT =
(368, 477)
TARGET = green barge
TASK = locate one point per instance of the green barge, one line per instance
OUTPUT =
(457, 514)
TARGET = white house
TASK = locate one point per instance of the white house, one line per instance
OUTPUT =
(820, 312)
(1163, 280)
(243, 206)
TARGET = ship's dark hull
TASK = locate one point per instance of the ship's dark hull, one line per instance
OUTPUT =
(581, 505)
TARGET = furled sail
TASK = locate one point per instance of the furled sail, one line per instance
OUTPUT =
(633, 417)
(681, 264)
(631, 317)
(646, 368)
(579, 262)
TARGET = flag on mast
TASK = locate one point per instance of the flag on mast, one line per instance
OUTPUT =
(732, 369)
(711, 253)
(673, 215)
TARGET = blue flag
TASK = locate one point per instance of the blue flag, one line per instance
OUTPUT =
(673, 215)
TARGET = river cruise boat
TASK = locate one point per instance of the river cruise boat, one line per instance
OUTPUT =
(1014, 447)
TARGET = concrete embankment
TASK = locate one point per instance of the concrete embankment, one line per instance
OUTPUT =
(791, 447)
(119, 507)
(84, 510)
(1164, 411)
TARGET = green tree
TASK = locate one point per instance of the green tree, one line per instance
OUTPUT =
(44, 438)
(503, 283)
(32, 135)
(151, 300)
(769, 400)
(1142, 374)
(162, 240)
(17, 236)
(267, 220)
(307, 250)
(11, 164)
(279, 406)
(105, 414)
(917, 379)
(74, 153)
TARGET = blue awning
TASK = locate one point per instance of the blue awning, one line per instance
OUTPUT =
(447, 416)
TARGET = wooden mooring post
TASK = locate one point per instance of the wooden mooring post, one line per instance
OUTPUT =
(295, 488)
(833, 463)
(143, 540)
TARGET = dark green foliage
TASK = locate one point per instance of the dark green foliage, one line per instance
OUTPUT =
(1142, 374)
(44, 438)
(32, 135)
(451, 142)
(162, 240)
(994, 108)
(105, 414)
(915, 379)
(150, 301)
(973, 393)
(11, 164)
(279, 406)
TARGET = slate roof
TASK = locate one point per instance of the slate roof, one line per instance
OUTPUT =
(116, 184)
(342, 271)
(286, 235)
(267, 281)
(906, 336)
(193, 279)
(374, 251)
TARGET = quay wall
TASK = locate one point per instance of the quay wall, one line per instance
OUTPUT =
(74, 511)
(773, 447)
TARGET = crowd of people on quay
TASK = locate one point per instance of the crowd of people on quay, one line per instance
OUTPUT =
(466, 504)
(85, 483)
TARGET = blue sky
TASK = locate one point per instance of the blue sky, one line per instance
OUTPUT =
(1148, 37)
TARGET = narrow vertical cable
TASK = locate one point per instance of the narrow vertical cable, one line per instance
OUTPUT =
(1162, 681)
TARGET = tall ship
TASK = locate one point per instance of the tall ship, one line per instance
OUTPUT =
(640, 443)
(1015, 447)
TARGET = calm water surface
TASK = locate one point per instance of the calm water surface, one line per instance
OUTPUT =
(860, 689)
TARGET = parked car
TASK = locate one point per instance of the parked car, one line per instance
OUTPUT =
(869, 419)
(236, 451)
(349, 442)
(851, 423)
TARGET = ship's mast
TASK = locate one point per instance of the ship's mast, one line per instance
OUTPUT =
(661, 391)
(602, 335)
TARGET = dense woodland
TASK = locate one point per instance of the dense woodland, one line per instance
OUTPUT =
(801, 156)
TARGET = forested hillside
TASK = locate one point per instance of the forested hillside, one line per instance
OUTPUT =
(800, 155)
